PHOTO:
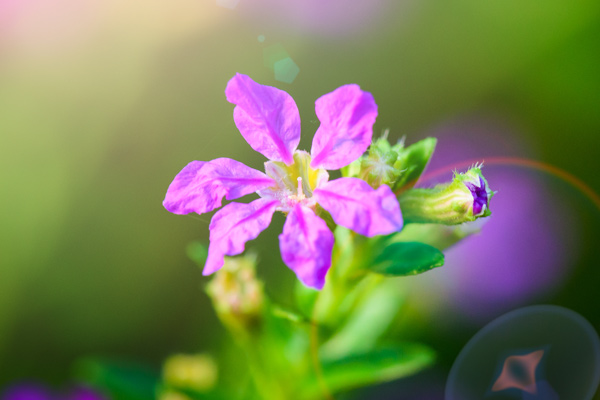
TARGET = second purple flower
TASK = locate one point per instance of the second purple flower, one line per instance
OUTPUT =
(295, 181)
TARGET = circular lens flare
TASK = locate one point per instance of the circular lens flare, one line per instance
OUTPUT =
(538, 352)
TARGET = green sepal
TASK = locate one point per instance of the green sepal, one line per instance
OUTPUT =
(407, 258)
(412, 160)
(380, 365)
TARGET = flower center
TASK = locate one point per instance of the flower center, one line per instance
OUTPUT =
(294, 183)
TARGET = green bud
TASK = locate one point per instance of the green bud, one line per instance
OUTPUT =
(190, 372)
(172, 395)
(352, 170)
(377, 168)
(464, 199)
(236, 293)
(395, 166)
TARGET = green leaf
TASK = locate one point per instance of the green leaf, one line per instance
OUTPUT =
(407, 258)
(381, 365)
(124, 380)
(413, 160)
(197, 252)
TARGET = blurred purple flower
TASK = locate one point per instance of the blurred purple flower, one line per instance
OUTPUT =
(36, 391)
(524, 248)
(84, 393)
(294, 183)
(27, 391)
(331, 17)
(521, 247)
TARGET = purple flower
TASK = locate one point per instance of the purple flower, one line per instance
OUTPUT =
(36, 391)
(324, 18)
(296, 182)
(526, 249)
(480, 196)
(26, 391)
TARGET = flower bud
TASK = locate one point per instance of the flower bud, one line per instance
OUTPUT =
(172, 395)
(464, 199)
(190, 372)
(396, 166)
(236, 294)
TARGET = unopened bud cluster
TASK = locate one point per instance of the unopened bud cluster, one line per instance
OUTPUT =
(394, 165)
(196, 372)
(236, 293)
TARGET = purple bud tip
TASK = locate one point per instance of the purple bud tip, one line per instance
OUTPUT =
(480, 196)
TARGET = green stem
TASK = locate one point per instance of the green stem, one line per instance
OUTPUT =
(345, 278)
(268, 386)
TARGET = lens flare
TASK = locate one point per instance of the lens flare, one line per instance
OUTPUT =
(537, 352)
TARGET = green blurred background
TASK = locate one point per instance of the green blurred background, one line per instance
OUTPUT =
(102, 102)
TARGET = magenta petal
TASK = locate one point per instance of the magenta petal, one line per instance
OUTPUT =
(347, 116)
(266, 117)
(356, 205)
(183, 182)
(201, 186)
(306, 244)
(232, 226)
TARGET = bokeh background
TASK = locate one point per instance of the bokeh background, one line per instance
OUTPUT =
(102, 102)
